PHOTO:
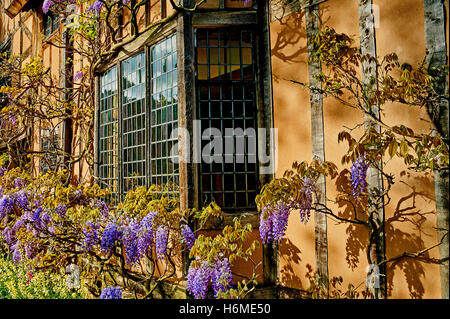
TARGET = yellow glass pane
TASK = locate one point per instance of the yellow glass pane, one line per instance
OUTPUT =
(213, 71)
(246, 56)
(202, 72)
(201, 55)
(234, 55)
(214, 55)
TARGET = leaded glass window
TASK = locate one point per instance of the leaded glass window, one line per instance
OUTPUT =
(51, 23)
(226, 100)
(108, 131)
(49, 147)
(133, 122)
(164, 112)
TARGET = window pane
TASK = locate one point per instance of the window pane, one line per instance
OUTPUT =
(134, 119)
(108, 128)
(225, 95)
(49, 146)
(164, 81)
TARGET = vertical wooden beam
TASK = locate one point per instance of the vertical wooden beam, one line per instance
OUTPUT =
(318, 149)
(435, 31)
(96, 128)
(148, 112)
(377, 250)
(265, 120)
(67, 67)
(163, 9)
(186, 112)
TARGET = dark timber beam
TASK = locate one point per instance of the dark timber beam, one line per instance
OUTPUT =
(265, 120)
(224, 18)
(186, 112)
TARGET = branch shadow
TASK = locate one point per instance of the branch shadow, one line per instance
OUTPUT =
(405, 213)
(290, 44)
(291, 254)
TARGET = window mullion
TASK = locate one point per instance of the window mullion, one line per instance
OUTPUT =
(119, 169)
(148, 124)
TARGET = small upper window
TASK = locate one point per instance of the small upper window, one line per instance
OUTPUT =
(4, 79)
(51, 23)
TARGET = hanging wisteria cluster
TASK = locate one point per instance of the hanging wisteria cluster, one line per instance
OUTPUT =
(111, 293)
(274, 219)
(201, 277)
(358, 175)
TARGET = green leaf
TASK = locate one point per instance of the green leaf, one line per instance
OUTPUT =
(393, 146)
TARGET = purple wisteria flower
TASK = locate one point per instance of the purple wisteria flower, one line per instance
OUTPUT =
(162, 235)
(12, 119)
(189, 236)
(221, 276)
(46, 218)
(198, 279)
(306, 201)
(103, 208)
(145, 239)
(111, 293)
(17, 255)
(90, 231)
(78, 76)
(130, 235)
(61, 210)
(6, 204)
(46, 5)
(280, 221)
(265, 226)
(110, 235)
(96, 7)
(21, 198)
(37, 216)
(358, 176)
(28, 250)
(8, 234)
(273, 228)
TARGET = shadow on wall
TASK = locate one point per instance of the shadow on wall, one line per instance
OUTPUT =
(397, 242)
(289, 45)
(292, 33)
(405, 215)
(291, 254)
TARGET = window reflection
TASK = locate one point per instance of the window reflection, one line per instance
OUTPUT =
(108, 132)
(164, 108)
